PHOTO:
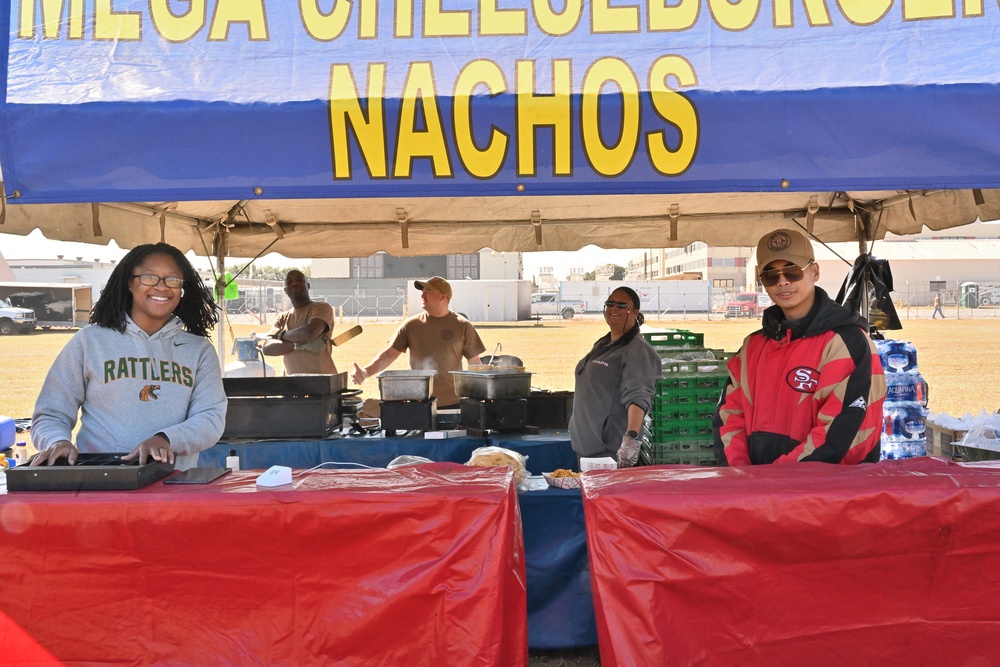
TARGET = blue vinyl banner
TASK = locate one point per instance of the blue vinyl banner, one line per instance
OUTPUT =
(162, 100)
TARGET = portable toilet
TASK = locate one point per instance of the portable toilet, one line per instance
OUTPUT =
(970, 295)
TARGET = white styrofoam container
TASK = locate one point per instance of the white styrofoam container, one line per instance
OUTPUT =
(597, 463)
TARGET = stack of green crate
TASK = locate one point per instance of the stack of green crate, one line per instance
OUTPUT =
(679, 427)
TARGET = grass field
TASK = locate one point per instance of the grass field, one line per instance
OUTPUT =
(960, 359)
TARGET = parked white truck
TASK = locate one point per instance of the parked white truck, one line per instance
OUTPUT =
(15, 320)
(53, 304)
(549, 303)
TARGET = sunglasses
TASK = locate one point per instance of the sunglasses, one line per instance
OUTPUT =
(794, 274)
(149, 280)
(620, 305)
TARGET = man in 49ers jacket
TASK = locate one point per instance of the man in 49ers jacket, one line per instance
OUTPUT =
(808, 386)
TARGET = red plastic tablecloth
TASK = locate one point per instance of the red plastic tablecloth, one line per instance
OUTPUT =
(413, 566)
(896, 563)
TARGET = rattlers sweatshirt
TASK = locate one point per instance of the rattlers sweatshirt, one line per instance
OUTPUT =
(129, 386)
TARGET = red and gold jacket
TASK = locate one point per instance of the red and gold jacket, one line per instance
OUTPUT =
(805, 390)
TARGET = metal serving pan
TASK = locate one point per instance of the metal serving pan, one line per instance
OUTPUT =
(499, 384)
(406, 385)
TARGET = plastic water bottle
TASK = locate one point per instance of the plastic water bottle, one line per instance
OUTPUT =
(892, 447)
(914, 421)
(906, 388)
(897, 356)
(916, 447)
(911, 354)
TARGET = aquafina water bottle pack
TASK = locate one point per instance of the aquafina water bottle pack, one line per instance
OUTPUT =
(904, 413)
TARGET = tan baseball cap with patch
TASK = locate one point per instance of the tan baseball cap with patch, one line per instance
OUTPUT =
(437, 282)
(785, 244)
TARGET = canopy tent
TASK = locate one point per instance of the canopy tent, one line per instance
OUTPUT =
(434, 225)
(340, 129)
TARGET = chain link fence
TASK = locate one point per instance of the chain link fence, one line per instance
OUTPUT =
(260, 306)
(919, 304)
(389, 304)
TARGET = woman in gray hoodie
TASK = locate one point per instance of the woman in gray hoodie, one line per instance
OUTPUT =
(144, 378)
(614, 385)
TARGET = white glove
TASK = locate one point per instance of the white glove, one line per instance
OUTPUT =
(628, 453)
(314, 346)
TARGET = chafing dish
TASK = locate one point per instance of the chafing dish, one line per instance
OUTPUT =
(406, 385)
(499, 384)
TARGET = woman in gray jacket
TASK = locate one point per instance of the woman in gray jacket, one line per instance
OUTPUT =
(144, 378)
(614, 385)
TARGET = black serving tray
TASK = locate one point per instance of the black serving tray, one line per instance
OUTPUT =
(92, 472)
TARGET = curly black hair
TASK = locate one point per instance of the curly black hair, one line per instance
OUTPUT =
(197, 309)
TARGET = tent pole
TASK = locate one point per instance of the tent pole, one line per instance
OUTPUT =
(862, 226)
(221, 291)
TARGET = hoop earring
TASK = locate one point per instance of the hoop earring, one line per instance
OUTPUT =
(182, 292)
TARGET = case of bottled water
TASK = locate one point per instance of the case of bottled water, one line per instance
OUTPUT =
(904, 413)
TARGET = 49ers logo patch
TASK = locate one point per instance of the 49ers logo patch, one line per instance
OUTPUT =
(803, 379)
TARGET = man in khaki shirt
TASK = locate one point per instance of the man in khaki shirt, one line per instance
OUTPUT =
(301, 335)
(438, 339)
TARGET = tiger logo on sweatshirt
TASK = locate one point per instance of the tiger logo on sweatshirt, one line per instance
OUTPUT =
(148, 393)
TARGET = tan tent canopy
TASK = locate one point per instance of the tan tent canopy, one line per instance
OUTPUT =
(434, 225)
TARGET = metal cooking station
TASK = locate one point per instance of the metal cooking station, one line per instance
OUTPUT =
(293, 406)
(408, 403)
(494, 399)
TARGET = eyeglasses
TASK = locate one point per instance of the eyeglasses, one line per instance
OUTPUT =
(794, 274)
(620, 305)
(149, 280)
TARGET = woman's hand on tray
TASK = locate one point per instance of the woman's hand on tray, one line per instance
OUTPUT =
(49, 456)
(156, 447)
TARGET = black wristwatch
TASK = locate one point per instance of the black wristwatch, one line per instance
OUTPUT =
(632, 434)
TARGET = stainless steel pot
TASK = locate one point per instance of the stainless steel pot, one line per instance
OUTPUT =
(496, 385)
(406, 385)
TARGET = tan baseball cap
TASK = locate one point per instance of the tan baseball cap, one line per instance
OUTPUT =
(437, 282)
(785, 244)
